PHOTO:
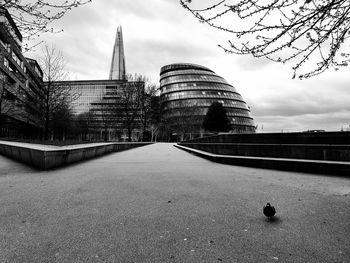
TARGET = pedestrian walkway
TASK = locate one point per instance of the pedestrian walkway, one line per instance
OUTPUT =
(158, 203)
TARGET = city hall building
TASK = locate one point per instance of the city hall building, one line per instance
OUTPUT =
(188, 90)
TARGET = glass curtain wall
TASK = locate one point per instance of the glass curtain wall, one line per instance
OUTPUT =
(188, 90)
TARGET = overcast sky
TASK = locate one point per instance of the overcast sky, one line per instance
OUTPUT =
(160, 32)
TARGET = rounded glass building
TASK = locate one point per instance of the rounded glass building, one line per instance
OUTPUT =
(188, 90)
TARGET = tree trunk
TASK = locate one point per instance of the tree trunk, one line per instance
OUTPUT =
(1, 115)
(144, 127)
(46, 131)
(129, 133)
(1, 133)
(47, 114)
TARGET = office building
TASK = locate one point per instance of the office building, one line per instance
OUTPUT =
(103, 109)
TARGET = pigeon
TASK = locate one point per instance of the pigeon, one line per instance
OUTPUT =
(269, 211)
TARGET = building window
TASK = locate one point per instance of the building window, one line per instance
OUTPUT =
(6, 63)
(17, 59)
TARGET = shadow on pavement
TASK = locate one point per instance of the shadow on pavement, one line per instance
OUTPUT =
(274, 220)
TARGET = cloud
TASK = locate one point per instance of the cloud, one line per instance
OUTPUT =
(250, 63)
(159, 53)
(332, 121)
(318, 103)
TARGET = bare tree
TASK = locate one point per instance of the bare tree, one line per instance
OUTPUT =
(312, 34)
(83, 125)
(155, 130)
(3, 104)
(164, 131)
(62, 121)
(35, 17)
(154, 120)
(147, 105)
(185, 120)
(53, 66)
(106, 118)
(129, 104)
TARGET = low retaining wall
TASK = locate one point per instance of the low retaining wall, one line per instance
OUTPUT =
(323, 152)
(47, 157)
(338, 138)
(296, 165)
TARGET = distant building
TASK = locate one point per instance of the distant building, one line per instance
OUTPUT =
(188, 90)
(100, 108)
(118, 70)
(21, 85)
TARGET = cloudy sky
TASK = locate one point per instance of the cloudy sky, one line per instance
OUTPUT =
(160, 32)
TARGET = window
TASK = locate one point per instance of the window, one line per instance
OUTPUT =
(17, 59)
(6, 63)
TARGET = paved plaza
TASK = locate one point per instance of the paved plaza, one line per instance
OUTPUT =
(160, 204)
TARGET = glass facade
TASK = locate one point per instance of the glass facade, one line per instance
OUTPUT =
(97, 105)
(85, 93)
(189, 89)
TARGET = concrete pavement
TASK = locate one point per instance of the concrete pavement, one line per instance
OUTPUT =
(160, 204)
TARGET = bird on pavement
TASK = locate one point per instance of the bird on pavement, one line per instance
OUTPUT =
(269, 211)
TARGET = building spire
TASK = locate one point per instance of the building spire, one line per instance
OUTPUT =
(117, 71)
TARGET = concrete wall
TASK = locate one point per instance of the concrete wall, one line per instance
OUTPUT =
(339, 138)
(295, 151)
(296, 165)
(52, 157)
(321, 152)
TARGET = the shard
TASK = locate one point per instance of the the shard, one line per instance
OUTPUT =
(117, 71)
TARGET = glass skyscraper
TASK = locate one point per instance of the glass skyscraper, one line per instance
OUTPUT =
(118, 69)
